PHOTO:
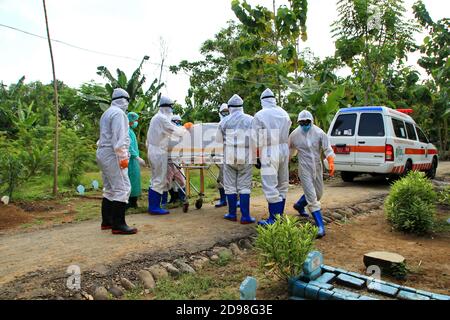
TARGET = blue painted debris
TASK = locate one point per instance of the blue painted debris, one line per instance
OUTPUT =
(80, 189)
(350, 281)
(316, 282)
(326, 277)
(406, 295)
(312, 266)
(95, 184)
(248, 289)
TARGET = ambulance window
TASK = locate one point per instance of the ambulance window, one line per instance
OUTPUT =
(371, 125)
(399, 128)
(411, 132)
(422, 136)
(344, 125)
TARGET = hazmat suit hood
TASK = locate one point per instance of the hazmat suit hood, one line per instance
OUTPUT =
(120, 99)
(223, 107)
(268, 99)
(305, 115)
(166, 106)
(236, 104)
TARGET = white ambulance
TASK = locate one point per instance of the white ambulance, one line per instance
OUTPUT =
(379, 141)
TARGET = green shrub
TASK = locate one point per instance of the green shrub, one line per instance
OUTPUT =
(284, 246)
(444, 197)
(410, 206)
(76, 152)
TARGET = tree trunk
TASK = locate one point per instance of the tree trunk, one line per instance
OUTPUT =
(55, 88)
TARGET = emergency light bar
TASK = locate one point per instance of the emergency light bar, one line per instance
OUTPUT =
(406, 111)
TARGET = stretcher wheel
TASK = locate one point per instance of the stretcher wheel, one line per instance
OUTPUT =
(185, 207)
(199, 203)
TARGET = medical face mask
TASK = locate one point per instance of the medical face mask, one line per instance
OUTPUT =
(306, 128)
(134, 124)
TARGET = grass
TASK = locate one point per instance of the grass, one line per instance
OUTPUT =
(87, 210)
(36, 222)
(187, 287)
(134, 294)
(225, 257)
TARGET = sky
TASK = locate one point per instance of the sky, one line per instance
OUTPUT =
(135, 28)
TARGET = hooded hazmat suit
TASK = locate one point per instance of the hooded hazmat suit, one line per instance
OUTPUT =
(270, 134)
(310, 144)
(112, 158)
(220, 185)
(159, 133)
(235, 133)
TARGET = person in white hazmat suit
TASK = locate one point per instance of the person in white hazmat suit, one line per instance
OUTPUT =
(270, 134)
(159, 133)
(112, 158)
(235, 133)
(223, 112)
(310, 141)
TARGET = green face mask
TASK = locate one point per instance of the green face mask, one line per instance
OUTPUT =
(134, 125)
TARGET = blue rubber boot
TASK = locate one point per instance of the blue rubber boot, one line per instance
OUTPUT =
(231, 215)
(154, 202)
(274, 210)
(164, 199)
(223, 199)
(300, 206)
(317, 215)
(245, 209)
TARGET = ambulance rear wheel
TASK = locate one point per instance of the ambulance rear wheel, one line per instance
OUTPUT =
(408, 168)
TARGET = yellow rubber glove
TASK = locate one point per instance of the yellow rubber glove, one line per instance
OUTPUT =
(330, 160)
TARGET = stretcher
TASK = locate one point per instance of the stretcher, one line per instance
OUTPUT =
(198, 150)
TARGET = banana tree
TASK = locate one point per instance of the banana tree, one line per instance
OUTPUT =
(142, 102)
(318, 99)
(133, 86)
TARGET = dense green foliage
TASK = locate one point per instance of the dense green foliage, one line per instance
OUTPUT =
(410, 206)
(284, 246)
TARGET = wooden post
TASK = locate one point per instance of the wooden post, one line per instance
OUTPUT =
(188, 183)
(202, 181)
(55, 89)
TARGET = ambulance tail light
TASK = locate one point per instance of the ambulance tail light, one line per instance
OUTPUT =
(389, 153)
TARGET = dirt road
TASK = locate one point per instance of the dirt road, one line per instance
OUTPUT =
(83, 244)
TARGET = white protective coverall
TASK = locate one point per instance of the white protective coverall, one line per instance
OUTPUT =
(220, 182)
(113, 147)
(270, 134)
(235, 133)
(310, 145)
(159, 133)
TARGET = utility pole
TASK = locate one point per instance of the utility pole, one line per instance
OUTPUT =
(55, 89)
